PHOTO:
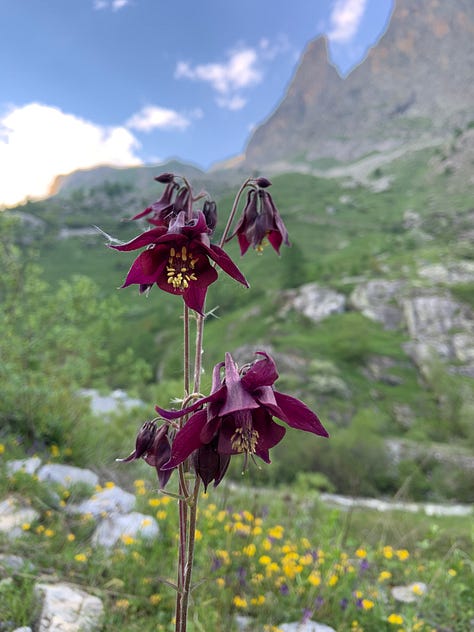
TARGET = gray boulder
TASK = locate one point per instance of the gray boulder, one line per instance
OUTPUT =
(314, 302)
(13, 516)
(308, 626)
(67, 475)
(28, 466)
(66, 608)
(114, 527)
(377, 300)
(109, 500)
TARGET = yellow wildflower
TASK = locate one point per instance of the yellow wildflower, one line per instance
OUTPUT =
(239, 602)
(452, 572)
(402, 554)
(2, 448)
(166, 500)
(49, 533)
(314, 578)
(154, 599)
(417, 589)
(197, 535)
(395, 619)
(362, 553)
(154, 502)
(384, 575)
(257, 530)
(387, 552)
(367, 604)
(71, 537)
(122, 604)
(276, 532)
(26, 526)
(258, 601)
(161, 515)
(332, 581)
(109, 485)
(54, 451)
(220, 582)
(265, 560)
(80, 557)
(249, 550)
(267, 545)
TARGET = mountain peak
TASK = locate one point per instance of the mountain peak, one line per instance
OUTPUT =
(415, 83)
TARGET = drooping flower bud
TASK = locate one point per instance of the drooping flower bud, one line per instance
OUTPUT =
(263, 183)
(210, 213)
(165, 178)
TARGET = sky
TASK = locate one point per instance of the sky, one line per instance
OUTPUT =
(130, 82)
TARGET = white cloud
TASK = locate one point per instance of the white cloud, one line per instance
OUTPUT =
(234, 103)
(154, 117)
(115, 5)
(38, 142)
(345, 18)
(228, 79)
(238, 72)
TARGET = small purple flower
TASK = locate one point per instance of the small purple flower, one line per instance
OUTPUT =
(260, 220)
(237, 417)
(318, 602)
(306, 616)
(344, 602)
(177, 259)
(284, 590)
(364, 565)
(153, 446)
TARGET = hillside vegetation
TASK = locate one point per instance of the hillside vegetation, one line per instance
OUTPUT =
(395, 421)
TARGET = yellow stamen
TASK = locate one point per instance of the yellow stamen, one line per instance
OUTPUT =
(179, 270)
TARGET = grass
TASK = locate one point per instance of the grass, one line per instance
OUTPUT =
(273, 556)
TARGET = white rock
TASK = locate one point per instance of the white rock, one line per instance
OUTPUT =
(110, 500)
(66, 608)
(29, 466)
(376, 300)
(67, 475)
(136, 525)
(410, 593)
(13, 516)
(106, 404)
(315, 302)
(308, 626)
(23, 629)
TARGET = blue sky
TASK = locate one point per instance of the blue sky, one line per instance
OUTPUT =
(87, 82)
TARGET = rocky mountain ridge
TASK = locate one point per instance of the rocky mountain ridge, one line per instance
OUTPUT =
(415, 84)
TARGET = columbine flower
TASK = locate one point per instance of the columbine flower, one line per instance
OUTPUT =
(177, 260)
(238, 418)
(260, 220)
(160, 212)
(153, 446)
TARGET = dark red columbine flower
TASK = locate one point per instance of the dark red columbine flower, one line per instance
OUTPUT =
(153, 446)
(237, 418)
(160, 212)
(260, 220)
(177, 260)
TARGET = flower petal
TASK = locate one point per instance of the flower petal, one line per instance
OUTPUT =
(146, 268)
(298, 415)
(237, 399)
(195, 295)
(225, 262)
(186, 440)
(261, 373)
(144, 239)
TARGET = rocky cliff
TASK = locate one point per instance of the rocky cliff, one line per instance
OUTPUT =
(415, 84)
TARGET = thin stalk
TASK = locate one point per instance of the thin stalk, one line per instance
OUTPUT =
(233, 212)
(190, 556)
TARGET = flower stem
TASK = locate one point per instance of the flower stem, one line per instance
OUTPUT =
(233, 212)
(190, 557)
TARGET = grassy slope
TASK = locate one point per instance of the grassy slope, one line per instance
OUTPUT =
(339, 235)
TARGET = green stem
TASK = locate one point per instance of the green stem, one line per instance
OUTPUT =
(190, 556)
(233, 212)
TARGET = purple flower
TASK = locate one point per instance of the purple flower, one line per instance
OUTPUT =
(237, 417)
(260, 220)
(153, 446)
(177, 260)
